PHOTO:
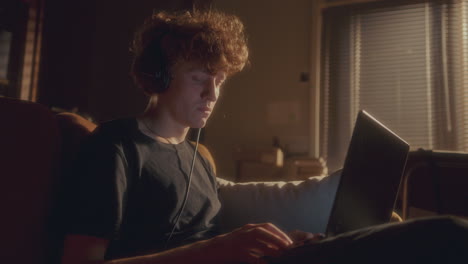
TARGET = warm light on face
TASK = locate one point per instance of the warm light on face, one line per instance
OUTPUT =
(192, 94)
(205, 80)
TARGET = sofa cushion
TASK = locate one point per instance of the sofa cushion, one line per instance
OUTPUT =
(303, 205)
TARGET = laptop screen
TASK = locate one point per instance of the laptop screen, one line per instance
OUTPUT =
(370, 178)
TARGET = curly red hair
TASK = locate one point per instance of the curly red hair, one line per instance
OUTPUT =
(214, 39)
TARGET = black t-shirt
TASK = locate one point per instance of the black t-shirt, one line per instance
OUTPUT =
(127, 187)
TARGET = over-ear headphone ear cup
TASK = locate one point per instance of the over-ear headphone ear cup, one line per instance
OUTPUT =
(157, 63)
(161, 81)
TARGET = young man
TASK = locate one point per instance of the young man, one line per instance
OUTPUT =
(128, 199)
(139, 195)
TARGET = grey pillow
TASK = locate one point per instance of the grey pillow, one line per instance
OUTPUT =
(303, 205)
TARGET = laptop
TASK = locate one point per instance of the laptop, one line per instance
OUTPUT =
(369, 182)
(370, 179)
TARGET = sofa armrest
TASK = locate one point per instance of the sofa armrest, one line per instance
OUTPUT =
(303, 205)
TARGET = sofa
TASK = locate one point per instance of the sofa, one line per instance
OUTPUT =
(33, 146)
(36, 143)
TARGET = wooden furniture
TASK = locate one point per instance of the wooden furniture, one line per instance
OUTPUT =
(270, 165)
(435, 183)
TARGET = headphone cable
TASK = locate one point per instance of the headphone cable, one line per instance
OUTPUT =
(186, 192)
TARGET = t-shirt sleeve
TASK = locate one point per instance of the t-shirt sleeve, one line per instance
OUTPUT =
(96, 190)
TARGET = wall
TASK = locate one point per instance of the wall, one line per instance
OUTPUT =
(279, 51)
(86, 65)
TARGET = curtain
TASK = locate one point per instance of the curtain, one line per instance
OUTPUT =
(402, 61)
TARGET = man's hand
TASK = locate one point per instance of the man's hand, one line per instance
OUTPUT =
(248, 244)
(301, 237)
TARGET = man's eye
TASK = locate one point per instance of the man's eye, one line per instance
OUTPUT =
(197, 79)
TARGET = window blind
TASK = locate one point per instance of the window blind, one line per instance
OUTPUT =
(402, 61)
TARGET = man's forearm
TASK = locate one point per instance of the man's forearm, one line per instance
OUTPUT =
(181, 255)
(192, 253)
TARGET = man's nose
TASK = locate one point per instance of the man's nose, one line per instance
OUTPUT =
(211, 91)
